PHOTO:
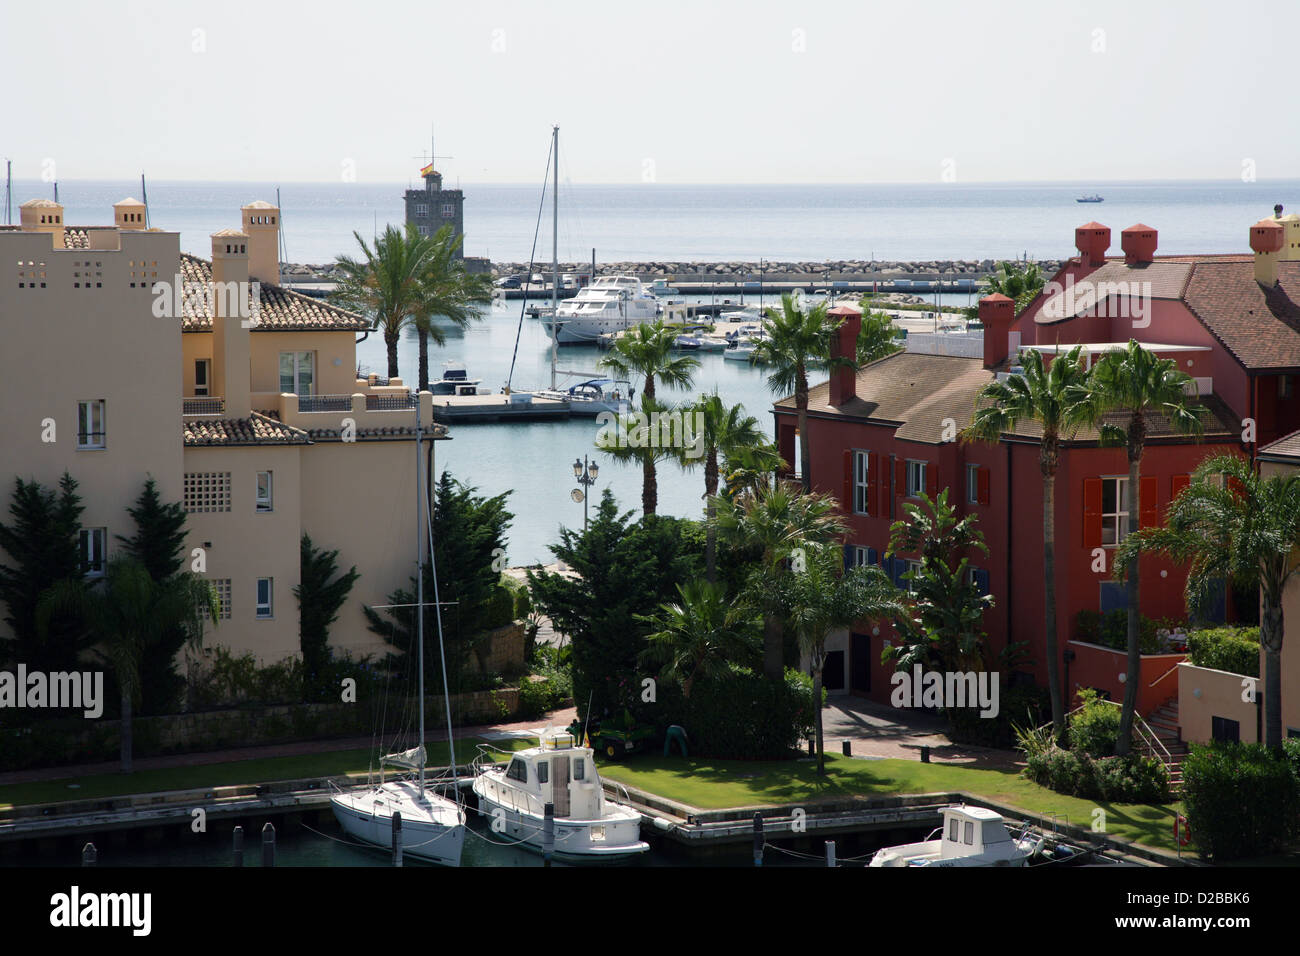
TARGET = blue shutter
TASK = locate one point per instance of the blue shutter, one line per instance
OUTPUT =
(848, 556)
(982, 581)
(887, 565)
(873, 557)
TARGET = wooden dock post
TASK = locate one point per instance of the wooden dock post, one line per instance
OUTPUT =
(758, 839)
(397, 838)
(239, 846)
(548, 833)
(268, 844)
(89, 855)
(830, 853)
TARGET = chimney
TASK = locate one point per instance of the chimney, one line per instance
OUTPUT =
(844, 344)
(231, 352)
(1092, 239)
(261, 223)
(128, 214)
(996, 313)
(1139, 244)
(42, 215)
(1266, 240)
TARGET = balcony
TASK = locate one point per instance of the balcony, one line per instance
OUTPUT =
(392, 407)
(205, 406)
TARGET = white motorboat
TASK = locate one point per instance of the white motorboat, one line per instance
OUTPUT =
(661, 287)
(456, 381)
(608, 304)
(432, 826)
(970, 836)
(740, 352)
(588, 825)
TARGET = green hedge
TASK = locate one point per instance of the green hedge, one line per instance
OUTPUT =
(1111, 630)
(1024, 704)
(742, 715)
(1094, 730)
(1132, 778)
(1241, 799)
(1232, 649)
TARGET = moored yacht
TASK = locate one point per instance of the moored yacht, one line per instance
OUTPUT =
(608, 304)
(971, 836)
(588, 824)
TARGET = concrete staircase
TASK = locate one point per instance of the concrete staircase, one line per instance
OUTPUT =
(1163, 723)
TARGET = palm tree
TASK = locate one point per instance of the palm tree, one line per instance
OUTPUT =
(700, 636)
(797, 342)
(1230, 523)
(1136, 383)
(724, 429)
(647, 352)
(1020, 283)
(385, 284)
(1049, 396)
(778, 522)
(130, 613)
(643, 438)
(876, 337)
(446, 290)
(821, 600)
(750, 469)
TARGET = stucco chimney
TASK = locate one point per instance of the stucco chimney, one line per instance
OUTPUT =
(1139, 244)
(1266, 240)
(996, 313)
(1092, 239)
(261, 222)
(231, 350)
(129, 214)
(43, 215)
(844, 344)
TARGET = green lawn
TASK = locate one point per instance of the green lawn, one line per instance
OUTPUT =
(722, 784)
(266, 770)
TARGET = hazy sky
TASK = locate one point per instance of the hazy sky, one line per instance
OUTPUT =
(761, 91)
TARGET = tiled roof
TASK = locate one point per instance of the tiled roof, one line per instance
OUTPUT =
(1161, 280)
(378, 434)
(1288, 446)
(1217, 422)
(281, 309)
(1260, 328)
(257, 429)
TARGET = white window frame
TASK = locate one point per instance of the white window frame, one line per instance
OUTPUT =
(449, 210)
(204, 388)
(422, 209)
(298, 360)
(913, 567)
(1120, 515)
(93, 543)
(265, 503)
(972, 484)
(90, 438)
(265, 609)
(860, 556)
(861, 481)
(915, 488)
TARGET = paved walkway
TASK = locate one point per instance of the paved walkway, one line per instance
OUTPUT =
(878, 730)
(559, 718)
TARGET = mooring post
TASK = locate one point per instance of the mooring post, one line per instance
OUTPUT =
(830, 852)
(812, 747)
(925, 755)
(239, 846)
(758, 839)
(847, 748)
(268, 844)
(397, 838)
(548, 833)
(89, 855)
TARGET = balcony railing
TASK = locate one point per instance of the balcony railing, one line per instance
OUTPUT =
(203, 406)
(343, 403)
(390, 403)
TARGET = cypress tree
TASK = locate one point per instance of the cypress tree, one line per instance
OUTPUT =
(320, 597)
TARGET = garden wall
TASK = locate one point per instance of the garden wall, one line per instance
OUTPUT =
(1205, 693)
(1100, 667)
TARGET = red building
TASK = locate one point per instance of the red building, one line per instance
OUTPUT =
(880, 436)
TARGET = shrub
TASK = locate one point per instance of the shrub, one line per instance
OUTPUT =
(741, 715)
(1094, 730)
(500, 609)
(1020, 703)
(1241, 799)
(1132, 778)
(1232, 649)
(1111, 630)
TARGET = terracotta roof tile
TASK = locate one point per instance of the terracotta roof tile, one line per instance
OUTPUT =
(1261, 328)
(281, 309)
(257, 429)
(1288, 446)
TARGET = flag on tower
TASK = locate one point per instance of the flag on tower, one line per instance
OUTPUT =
(427, 170)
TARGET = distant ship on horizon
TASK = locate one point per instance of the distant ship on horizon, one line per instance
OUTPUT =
(1092, 198)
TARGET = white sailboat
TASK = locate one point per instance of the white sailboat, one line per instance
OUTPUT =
(432, 826)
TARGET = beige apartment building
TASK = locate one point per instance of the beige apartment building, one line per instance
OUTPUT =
(125, 358)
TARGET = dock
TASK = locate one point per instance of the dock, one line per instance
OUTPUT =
(520, 406)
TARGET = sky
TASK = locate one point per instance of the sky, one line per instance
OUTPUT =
(708, 91)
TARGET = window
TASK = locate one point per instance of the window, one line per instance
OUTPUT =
(968, 834)
(1284, 386)
(448, 210)
(915, 478)
(861, 484)
(863, 557)
(264, 591)
(201, 369)
(222, 587)
(579, 768)
(93, 542)
(1225, 730)
(953, 825)
(1114, 511)
(90, 424)
(296, 372)
(979, 578)
(543, 771)
(263, 491)
(909, 567)
(422, 209)
(518, 770)
(206, 491)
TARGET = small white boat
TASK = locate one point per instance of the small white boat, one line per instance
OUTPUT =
(589, 399)
(661, 287)
(456, 381)
(971, 836)
(588, 824)
(739, 353)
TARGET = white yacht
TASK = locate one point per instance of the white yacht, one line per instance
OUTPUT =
(971, 836)
(456, 381)
(588, 825)
(608, 304)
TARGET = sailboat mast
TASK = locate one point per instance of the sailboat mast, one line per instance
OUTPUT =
(555, 252)
(419, 581)
(144, 198)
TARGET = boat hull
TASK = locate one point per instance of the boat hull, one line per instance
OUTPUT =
(434, 832)
(613, 837)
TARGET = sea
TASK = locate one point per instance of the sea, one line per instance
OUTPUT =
(533, 463)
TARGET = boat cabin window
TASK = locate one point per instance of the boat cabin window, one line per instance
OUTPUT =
(518, 770)
(954, 826)
(579, 768)
(543, 771)
(969, 836)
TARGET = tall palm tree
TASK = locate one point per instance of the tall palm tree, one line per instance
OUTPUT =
(1230, 523)
(797, 343)
(448, 291)
(777, 521)
(821, 600)
(385, 283)
(1049, 396)
(129, 613)
(1135, 383)
(699, 636)
(750, 469)
(646, 352)
(1020, 283)
(641, 438)
(724, 429)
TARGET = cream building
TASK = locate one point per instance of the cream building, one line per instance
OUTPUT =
(240, 398)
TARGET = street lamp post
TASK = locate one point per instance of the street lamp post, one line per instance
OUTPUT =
(585, 473)
(762, 268)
